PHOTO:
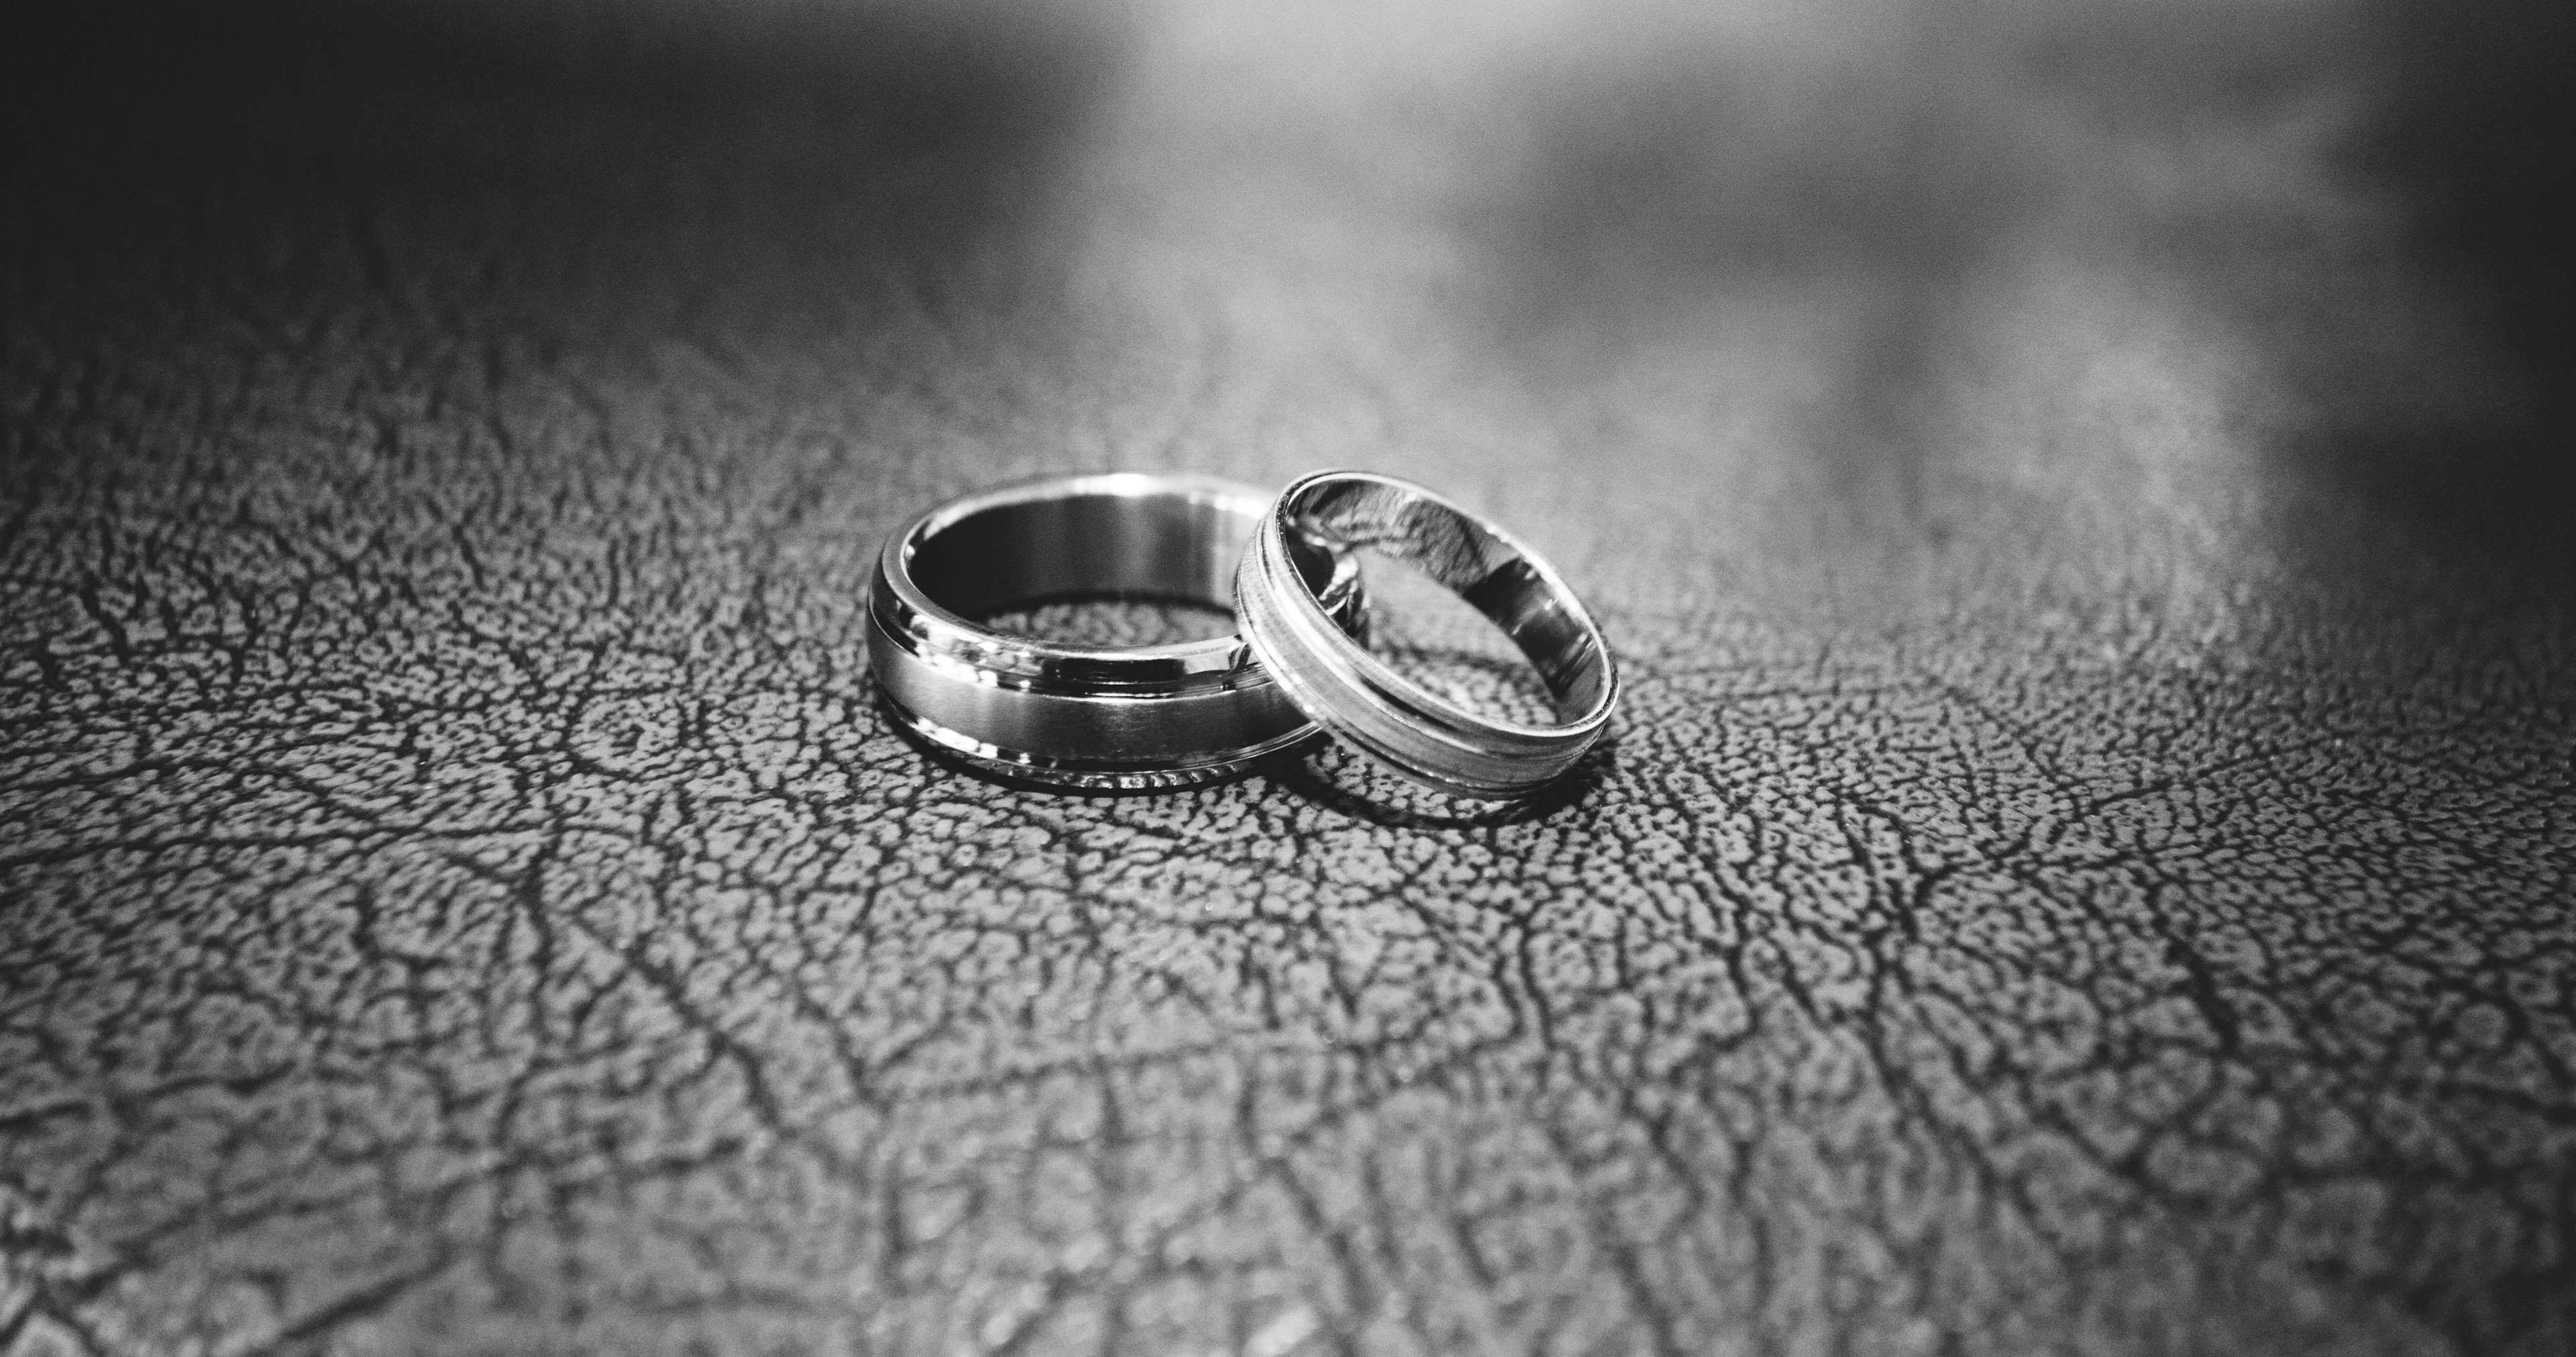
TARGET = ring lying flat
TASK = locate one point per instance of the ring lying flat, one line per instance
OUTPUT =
(1357, 697)
(1130, 718)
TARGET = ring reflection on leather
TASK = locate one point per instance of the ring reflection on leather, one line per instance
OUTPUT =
(1357, 697)
(1133, 717)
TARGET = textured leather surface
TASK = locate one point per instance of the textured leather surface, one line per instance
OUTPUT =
(2085, 864)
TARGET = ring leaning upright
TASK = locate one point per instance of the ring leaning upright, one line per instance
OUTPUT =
(1333, 677)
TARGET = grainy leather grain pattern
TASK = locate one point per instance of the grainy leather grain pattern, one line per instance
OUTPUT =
(2085, 864)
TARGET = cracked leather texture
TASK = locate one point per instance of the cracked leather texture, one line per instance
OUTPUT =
(2084, 864)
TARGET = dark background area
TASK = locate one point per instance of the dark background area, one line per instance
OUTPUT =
(2079, 495)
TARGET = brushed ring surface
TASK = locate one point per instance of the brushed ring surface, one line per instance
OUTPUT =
(1108, 717)
(1354, 694)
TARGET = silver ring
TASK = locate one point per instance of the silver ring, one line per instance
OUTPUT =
(1130, 718)
(1357, 697)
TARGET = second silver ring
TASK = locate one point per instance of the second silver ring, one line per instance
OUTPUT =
(1360, 697)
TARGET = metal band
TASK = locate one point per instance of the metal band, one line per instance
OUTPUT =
(1129, 718)
(1357, 697)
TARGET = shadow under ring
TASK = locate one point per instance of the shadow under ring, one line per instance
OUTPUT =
(1132, 718)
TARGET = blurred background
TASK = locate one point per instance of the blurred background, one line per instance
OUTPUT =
(1767, 275)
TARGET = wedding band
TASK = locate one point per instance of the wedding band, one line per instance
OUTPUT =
(1355, 695)
(1132, 718)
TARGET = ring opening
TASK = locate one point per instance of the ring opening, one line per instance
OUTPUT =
(1083, 546)
(1474, 563)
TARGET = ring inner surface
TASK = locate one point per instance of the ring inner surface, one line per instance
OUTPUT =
(1471, 561)
(1077, 546)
